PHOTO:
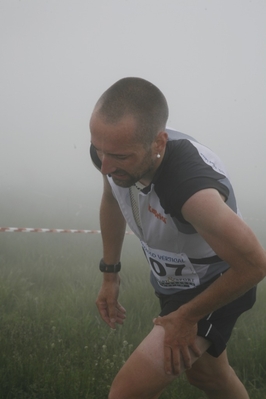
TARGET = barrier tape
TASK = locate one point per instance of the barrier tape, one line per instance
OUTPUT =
(40, 230)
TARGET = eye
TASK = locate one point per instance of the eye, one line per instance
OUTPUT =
(120, 156)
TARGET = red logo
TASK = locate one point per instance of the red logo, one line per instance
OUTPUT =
(157, 214)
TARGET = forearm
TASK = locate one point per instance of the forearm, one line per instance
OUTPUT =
(113, 227)
(113, 230)
(234, 242)
(231, 285)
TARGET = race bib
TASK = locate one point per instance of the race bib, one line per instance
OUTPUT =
(171, 270)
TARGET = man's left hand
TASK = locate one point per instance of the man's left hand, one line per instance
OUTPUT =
(179, 340)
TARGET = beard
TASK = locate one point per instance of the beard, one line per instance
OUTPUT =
(145, 170)
(127, 180)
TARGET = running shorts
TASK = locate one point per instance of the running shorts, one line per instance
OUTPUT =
(216, 327)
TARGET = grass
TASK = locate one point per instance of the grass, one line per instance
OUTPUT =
(52, 342)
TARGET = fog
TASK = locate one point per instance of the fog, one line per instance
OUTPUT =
(57, 57)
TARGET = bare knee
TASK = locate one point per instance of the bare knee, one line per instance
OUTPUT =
(119, 391)
(119, 395)
(115, 394)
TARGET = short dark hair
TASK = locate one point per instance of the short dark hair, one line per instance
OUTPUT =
(139, 98)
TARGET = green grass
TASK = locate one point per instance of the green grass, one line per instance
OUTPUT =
(53, 344)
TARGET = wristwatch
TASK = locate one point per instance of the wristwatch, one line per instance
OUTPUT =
(109, 268)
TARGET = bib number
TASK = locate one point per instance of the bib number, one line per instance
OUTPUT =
(171, 270)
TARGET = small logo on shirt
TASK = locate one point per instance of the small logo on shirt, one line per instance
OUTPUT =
(157, 214)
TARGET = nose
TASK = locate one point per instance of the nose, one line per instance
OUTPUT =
(108, 166)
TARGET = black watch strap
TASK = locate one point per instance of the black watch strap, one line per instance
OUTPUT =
(109, 268)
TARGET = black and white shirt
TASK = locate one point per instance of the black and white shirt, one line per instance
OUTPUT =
(178, 256)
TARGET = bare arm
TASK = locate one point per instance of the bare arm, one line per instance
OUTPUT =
(112, 226)
(234, 242)
(113, 230)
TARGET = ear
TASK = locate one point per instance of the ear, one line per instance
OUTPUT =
(160, 142)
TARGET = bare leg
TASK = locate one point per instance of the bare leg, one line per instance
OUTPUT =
(216, 378)
(143, 375)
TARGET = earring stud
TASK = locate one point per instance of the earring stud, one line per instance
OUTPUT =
(158, 156)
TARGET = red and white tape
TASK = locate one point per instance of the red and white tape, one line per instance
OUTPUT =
(40, 230)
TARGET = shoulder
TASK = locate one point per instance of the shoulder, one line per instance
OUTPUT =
(188, 167)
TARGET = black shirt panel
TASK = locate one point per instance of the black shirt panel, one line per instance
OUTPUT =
(183, 173)
(95, 158)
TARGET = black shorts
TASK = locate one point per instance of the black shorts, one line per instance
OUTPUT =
(216, 327)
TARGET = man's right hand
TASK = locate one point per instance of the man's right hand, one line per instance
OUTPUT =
(107, 301)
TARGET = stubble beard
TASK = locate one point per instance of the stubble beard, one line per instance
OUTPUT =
(147, 172)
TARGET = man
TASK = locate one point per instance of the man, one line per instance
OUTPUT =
(205, 261)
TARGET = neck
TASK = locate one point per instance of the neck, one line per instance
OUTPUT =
(147, 179)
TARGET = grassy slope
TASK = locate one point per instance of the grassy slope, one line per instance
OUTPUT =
(53, 344)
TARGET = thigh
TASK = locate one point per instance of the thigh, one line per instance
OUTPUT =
(143, 375)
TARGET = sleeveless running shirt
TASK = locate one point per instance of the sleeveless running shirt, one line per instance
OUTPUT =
(178, 256)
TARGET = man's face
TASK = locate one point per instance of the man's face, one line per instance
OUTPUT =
(122, 157)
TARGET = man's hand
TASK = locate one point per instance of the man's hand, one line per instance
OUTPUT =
(179, 341)
(108, 306)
